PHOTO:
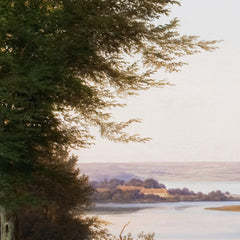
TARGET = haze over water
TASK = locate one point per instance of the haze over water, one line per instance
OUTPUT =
(197, 176)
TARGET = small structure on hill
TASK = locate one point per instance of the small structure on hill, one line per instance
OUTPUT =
(161, 192)
(129, 188)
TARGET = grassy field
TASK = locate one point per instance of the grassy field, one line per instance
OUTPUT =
(226, 208)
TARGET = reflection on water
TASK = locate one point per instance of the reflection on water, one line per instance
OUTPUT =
(102, 210)
(174, 221)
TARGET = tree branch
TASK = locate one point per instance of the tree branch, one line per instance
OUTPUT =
(120, 235)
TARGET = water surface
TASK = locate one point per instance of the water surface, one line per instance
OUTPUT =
(173, 221)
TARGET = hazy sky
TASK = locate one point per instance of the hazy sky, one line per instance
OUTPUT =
(198, 118)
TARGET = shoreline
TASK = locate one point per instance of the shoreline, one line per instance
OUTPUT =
(166, 201)
(225, 208)
(125, 207)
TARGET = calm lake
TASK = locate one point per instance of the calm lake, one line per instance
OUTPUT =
(173, 221)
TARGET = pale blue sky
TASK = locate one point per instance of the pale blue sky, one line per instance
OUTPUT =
(197, 119)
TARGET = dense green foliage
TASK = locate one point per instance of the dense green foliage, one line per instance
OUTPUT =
(63, 65)
(61, 56)
(65, 193)
(35, 226)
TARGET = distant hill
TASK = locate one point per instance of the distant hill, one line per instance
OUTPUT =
(163, 171)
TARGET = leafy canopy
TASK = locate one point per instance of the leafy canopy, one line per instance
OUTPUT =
(63, 66)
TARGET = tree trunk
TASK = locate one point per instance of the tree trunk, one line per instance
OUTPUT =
(9, 225)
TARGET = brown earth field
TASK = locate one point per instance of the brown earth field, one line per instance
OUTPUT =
(226, 208)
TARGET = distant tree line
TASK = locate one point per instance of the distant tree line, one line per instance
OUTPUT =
(186, 194)
(120, 196)
(112, 194)
(178, 191)
(114, 182)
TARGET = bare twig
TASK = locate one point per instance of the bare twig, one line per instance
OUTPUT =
(120, 235)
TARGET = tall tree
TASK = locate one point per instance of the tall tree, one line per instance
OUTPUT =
(63, 65)
(66, 193)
